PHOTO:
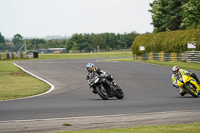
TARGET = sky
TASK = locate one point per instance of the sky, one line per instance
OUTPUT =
(41, 18)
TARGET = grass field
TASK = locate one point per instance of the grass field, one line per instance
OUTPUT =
(14, 83)
(176, 128)
(86, 55)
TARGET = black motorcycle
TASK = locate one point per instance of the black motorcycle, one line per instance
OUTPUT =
(104, 88)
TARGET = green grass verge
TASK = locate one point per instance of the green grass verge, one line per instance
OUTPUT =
(14, 83)
(176, 128)
(183, 65)
(86, 55)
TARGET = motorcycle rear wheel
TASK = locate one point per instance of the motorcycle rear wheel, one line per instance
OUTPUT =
(191, 91)
(102, 92)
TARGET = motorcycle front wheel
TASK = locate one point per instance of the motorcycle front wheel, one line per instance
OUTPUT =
(120, 93)
(189, 87)
(102, 92)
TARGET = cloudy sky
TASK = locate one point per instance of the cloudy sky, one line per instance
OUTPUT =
(41, 18)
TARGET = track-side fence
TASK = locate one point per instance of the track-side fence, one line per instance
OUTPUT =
(14, 55)
(188, 56)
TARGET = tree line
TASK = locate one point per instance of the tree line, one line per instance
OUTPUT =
(176, 23)
(103, 41)
(169, 15)
(78, 42)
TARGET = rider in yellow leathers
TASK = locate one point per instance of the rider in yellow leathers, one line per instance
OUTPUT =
(175, 72)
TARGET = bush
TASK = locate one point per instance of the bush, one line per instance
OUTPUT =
(173, 41)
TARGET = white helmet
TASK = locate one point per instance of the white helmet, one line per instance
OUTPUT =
(90, 67)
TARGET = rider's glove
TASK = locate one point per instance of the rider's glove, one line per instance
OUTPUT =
(88, 77)
(188, 74)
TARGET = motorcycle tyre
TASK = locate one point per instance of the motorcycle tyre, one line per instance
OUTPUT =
(104, 97)
(120, 93)
(192, 93)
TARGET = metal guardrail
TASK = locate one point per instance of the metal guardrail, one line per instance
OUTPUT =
(188, 56)
(14, 55)
(192, 56)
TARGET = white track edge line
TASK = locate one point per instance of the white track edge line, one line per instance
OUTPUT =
(101, 116)
(52, 87)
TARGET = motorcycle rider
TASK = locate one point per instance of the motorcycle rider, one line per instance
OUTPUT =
(92, 70)
(175, 72)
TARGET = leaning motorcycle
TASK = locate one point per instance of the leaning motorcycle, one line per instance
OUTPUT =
(188, 84)
(105, 89)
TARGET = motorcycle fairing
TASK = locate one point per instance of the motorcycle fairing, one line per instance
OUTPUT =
(186, 79)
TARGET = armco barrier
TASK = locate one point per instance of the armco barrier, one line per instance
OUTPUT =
(173, 57)
(3, 56)
(160, 56)
(14, 55)
(166, 56)
(192, 56)
(188, 56)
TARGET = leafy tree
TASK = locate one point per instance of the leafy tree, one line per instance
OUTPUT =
(17, 41)
(2, 47)
(130, 37)
(75, 47)
(2, 43)
(167, 15)
(98, 41)
(191, 15)
(105, 41)
(2, 39)
(74, 42)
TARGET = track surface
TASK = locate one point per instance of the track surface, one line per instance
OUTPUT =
(147, 89)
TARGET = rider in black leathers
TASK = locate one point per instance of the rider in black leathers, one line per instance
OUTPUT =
(92, 71)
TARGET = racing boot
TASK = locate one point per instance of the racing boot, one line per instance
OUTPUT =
(114, 83)
(182, 92)
(193, 75)
(94, 91)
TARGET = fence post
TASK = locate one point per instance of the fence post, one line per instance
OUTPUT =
(150, 55)
(24, 55)
(14, 55)
(173, 57)
(3, 56)
(161, 56)
(140, 58)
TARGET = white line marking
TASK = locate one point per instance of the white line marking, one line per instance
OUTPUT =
(103, 116)
(52, 87)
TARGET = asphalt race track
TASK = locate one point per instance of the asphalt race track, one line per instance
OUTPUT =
(147, 89)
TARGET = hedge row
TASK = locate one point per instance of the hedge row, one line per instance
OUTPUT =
(172, 41)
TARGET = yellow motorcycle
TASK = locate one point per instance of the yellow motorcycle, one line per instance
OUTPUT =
(188, 84)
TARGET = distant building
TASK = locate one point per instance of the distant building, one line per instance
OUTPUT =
(52, 50)
(44, 51)
(53, 37)
(9, 43)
